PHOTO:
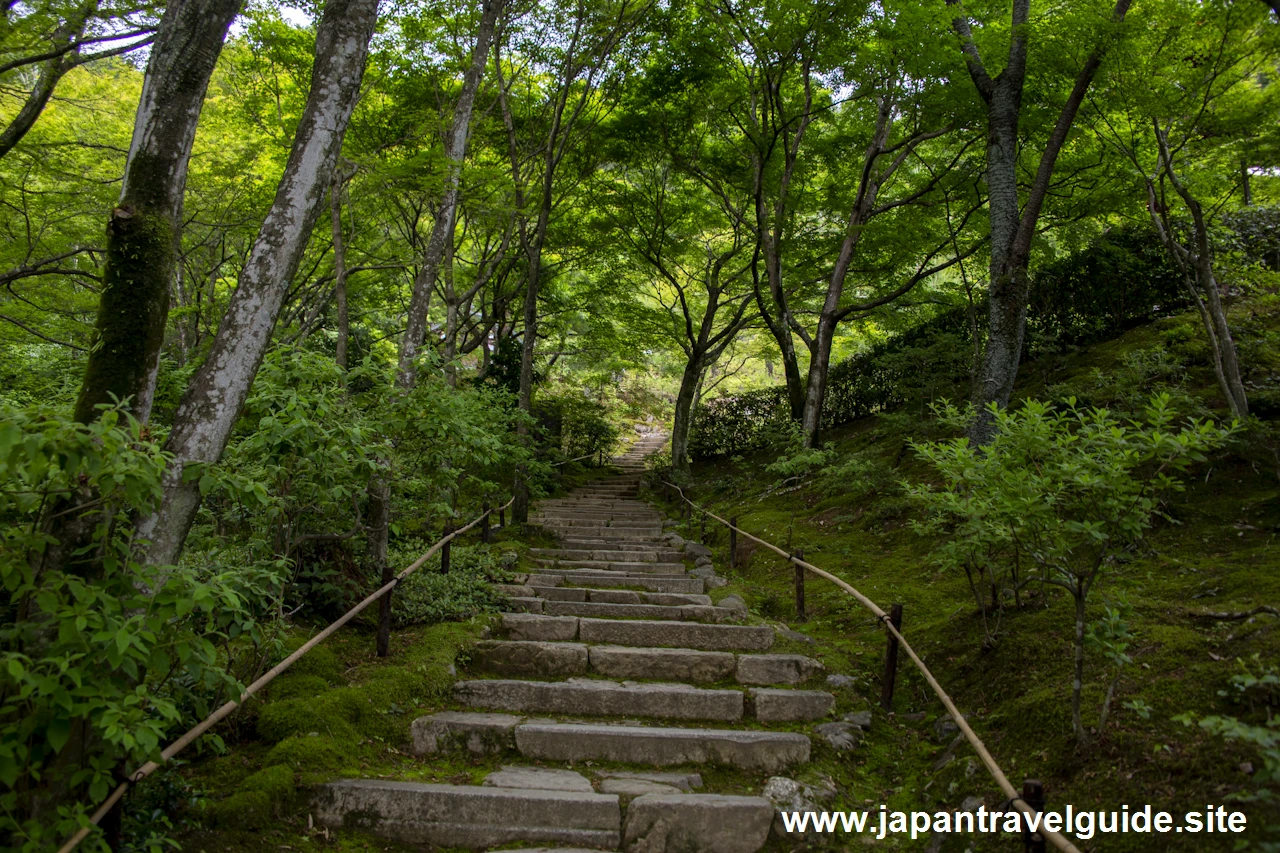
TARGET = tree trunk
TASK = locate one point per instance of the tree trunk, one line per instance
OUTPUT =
(339, 271)
(520, 508)
(1077, 685)
(1007, 292)
(816, 387)
(144, 229)
(689, 383)
(442, 228)
(209, 409)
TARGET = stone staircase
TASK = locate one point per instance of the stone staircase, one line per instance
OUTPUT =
(615, 661)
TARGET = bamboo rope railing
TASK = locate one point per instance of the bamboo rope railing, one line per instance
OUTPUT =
(221, 713)
(1056, 838)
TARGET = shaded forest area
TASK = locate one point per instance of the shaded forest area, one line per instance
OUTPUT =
(289, 290)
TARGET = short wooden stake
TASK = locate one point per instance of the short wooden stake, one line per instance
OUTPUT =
(1033, 795)
(446, 549)
(800, 610)
(484, 526)
(502, 517)
(733, 542)
(891, 659)
(384, 613)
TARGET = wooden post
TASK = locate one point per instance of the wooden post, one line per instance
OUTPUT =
(1033, 795)
(445, 550)
(484, 525)
(702, 520)
(384, 613)
(800, 610)
(502, 517)
(890, 660)
(733, 542)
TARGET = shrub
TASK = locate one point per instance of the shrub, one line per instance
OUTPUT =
(1058, 495)
(103, 659)
(428, 596)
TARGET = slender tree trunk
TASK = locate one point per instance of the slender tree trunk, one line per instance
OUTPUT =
(1077, 686)
(209, 409)
(339, 270)
(442, 228)
(689, 382)
(145, 227)
(816, 387)
(450, 321)
(1007, 292)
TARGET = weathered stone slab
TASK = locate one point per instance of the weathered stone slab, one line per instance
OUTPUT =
(454, 731)
(613, 596)
(763, 752)
(775, 706)
(776, 669)
(525, 605)
(524, 657)
(686, 782)
(473, 817)
(529, 626)
(629, 789)
(560, 593)
(603, 698)
(688, 635)
(696, 823)
(682, 612)
(539, 778)
(678, 664)
(676, 599)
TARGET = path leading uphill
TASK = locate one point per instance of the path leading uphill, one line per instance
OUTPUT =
(614, 662)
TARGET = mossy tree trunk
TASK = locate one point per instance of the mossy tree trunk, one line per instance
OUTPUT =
(1013, 225)
(144, 229)
(209, 408)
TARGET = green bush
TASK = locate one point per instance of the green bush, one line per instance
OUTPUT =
(106, 657)
(1057, 497)
(428, 596)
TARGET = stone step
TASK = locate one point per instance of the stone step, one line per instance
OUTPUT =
(673, 569)
(593, 513)
(632, 556)
(602, 699)
(679, 613)
(708, 823)
(574, 543)
(680, 635)
(654, 568)
(606, 535)
(593, 524)
(615, 596)
(561, 660)
(756, 751)
(470, 817)
(655, 583)
(573, 520)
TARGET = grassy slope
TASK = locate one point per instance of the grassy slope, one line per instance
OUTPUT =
(1222, 556)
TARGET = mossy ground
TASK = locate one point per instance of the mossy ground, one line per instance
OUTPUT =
(1220, 555)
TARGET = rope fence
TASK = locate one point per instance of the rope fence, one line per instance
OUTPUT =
(1057, 839)
(221, 713)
